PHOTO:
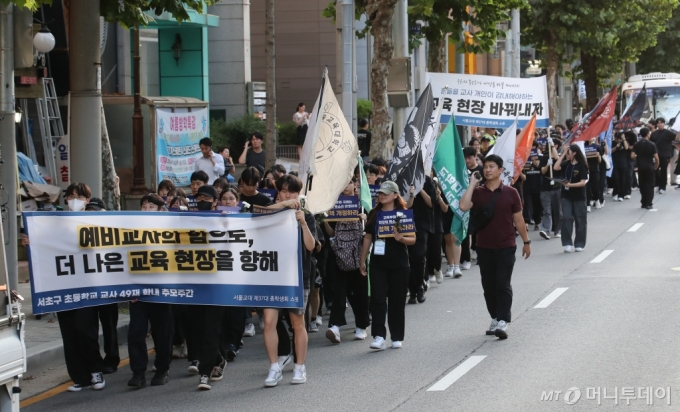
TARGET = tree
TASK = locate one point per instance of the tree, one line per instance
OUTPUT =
(663, 57)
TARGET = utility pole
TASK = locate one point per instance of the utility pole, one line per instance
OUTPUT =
(138, 180)
(515, 44)
(270, 51)
(460, 57)
(86, 98)
(348, 66)
(8, 149)
(507, 61)
(400, 36)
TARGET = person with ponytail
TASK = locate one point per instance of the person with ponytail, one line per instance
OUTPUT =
(390, 271)
(574, 212)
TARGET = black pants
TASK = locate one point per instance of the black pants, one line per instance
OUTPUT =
(495, 266)
(532, 207)
(353, 287)
(208, 326)
(80, 333)
(593, 189)
(388, 300)
(633, 177)
(185, 329)
(416, 258)
(662, 173)
(159, 315)
(465, 250)
(108, 316)
(233, 326)
(621, 180)
(434, 253)
(603, 180)
(646, 181)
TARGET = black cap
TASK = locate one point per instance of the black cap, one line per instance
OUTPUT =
(207, 191)
(95, 204)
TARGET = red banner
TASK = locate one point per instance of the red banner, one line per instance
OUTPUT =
(598, 121)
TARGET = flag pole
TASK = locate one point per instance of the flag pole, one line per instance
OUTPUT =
(310, 177)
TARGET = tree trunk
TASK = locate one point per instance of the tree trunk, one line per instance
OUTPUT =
(270, 142)
(553, 67)
(110, 180)
(589, 66)
(436, 56)
(380, 13)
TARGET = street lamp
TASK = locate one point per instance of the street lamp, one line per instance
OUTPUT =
(43, 41)
(17, 115)
(177, 48)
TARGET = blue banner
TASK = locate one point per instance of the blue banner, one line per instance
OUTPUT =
(346, 208)
(402, 220)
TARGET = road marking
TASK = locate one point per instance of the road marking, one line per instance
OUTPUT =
(602, 256)
(456, 374)
(550, 298)
(676, 269)
(635, 227)
(653, 210)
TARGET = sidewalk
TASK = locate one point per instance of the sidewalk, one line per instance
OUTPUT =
(44, 347)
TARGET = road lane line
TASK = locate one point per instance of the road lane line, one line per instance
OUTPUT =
(602, 256)
(456, 374)
(550, 298)
(635, 227)
(653, 210)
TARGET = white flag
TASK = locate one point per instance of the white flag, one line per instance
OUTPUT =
(329, 155)
(505, 148)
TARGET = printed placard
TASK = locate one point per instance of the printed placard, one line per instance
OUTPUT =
(591, 151)
(374, 193)
(346, 209)
(270, 193)
(388, 220)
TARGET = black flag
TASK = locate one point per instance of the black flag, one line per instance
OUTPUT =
(406, 168)
(631, 118)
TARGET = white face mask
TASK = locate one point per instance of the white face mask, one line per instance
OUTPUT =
(76, 205)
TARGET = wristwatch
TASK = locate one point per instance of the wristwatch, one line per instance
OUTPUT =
(528, 242)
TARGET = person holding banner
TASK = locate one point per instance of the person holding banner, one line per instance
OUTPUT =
(289, 188)
(575, 167)
(423, 215)
(389, 270)
(620, 156)
(497, 214)
(551, 194)
(159, 317)
(594, 153)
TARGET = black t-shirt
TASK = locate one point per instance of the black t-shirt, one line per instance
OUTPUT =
(593, 162)
(532, 184)
(260, 199)
(396, 254)
(255, 159)
(645, 150)
(364, 141)
(423, 215)
(307, 263)
(438, 216)
(620, 156)
(664, 142)
(575, 173)
(546, 185)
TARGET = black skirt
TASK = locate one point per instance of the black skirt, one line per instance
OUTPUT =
(301, 134)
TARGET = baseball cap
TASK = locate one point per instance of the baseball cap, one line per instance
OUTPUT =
(207, 191)
(95, 204)
(387, 188)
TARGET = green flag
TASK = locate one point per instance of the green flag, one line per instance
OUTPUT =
(365, 193)
(449, 163)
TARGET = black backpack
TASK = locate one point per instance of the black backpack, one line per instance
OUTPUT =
(481, 216)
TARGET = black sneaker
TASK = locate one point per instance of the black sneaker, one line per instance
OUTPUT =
(421, 296)
(232, 351)
(218, 371)
(204, 383)
(412, 300)
(159, 378)
(193, 367)
(138, 380)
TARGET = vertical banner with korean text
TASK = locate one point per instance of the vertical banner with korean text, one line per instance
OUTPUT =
(80, 259)
(177, 137)
(489, 101)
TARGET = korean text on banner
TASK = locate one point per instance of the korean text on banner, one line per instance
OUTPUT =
(402, 220)
(177, 147)
(80, 259)
(489, 101)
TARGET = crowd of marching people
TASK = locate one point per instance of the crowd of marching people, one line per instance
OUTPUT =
(560, 184)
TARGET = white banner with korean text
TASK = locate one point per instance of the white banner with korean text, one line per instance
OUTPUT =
(80, 259)
(489, 101)
(177, 135)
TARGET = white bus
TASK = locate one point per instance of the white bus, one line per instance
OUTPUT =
(663, 93)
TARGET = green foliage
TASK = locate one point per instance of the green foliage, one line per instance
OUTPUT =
(364, 109)
(287, 132)
(663, 57)
(29, 4)
(234, 132)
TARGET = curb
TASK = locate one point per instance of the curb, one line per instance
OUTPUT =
(51, 354)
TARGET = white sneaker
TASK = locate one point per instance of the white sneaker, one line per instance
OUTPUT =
(457, 273)
(273, 378)
(545, 234)
(98, 381)
(615, 198)
(579, 249)
(299, 375)
(568, 249)
(598, 205)
(193, 367)
(619, 199)
(465, 265)
(449, 272)
(603, 202)
(492, 328)
(177, 351)
(333, 334)
(78, 387)
(661, 191)
(588, 209)
(379, 343)
(319, 320)
(360, 334)
(262, 325)
(313, 327)
(396, 344)
(439, 276)
(285, 361)
(626, 197)
(431, 279)
(502, 330)
(250, 331)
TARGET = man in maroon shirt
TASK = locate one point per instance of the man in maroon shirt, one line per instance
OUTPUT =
(496, 241)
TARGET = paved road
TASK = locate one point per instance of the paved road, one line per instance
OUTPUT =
(615, 327)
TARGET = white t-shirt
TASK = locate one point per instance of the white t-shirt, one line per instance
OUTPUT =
(298, 116)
